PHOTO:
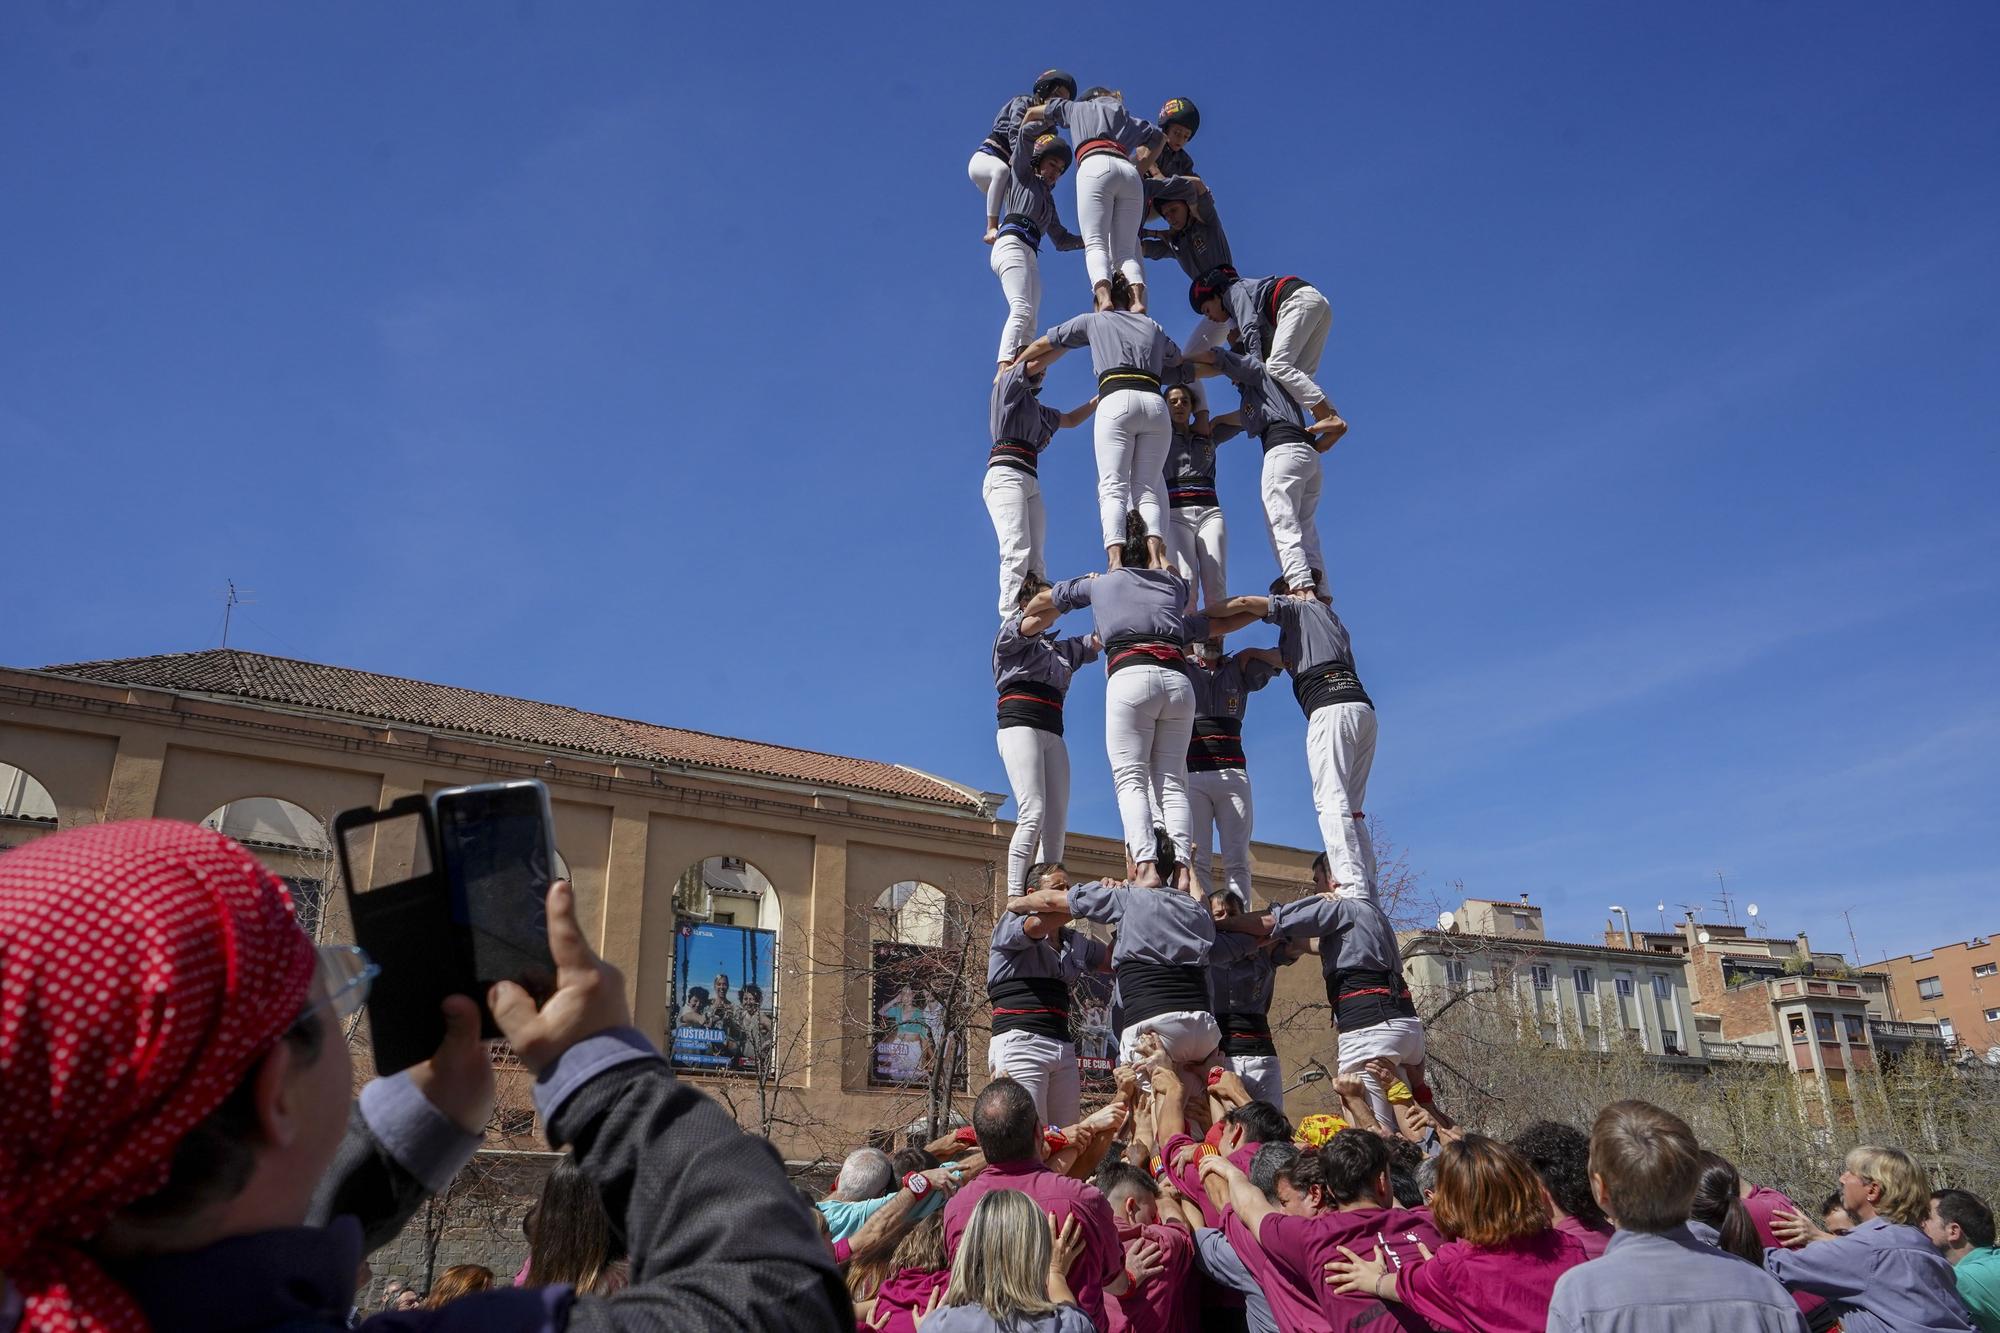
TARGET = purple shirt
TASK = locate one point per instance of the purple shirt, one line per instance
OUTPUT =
(1302, 1247)
(1762, 1203)
(1491, 1288)
(1593, 1239)
(1103, 1259)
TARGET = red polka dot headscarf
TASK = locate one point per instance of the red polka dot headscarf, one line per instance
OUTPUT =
(145, 967)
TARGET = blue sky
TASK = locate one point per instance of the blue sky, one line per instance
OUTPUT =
(635, 357)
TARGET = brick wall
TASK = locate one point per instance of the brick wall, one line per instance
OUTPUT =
(476, 1221)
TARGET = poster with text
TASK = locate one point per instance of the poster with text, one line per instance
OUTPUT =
(1090, 1024)
(909, 1023)
(723, 1014)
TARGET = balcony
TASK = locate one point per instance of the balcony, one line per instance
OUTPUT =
(1748, 1052)
(1897, 1030)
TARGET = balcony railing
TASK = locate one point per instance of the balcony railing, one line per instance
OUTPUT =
(1737, 1050)
(1892, 1027)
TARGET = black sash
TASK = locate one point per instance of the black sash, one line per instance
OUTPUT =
(1246, 1034)
(1030, 1004)
(1286, 432)
(1127, 377)
(1328, 683)
(1126, 650)
(1362, 999)
(1146, 989)
(1029, 703)
(1217, 743)
(1016, 454)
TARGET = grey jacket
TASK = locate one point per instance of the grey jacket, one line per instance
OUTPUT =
(1884, 1277)
(1670, 1283)
(1198, 247)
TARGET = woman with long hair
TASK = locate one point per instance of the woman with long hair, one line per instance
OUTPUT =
(456, 1281)
(572, 1242)
(1499, 1271)
(914, 1279)
(1718, 1215)
(1012, 1272)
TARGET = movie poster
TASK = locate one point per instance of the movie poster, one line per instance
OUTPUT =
(724, 1013)
(1090, 1024)
(911, 1026)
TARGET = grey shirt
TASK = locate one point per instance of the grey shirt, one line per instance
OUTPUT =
(1265, 402)
(1102, 118)
(1884, 1277)
(972, 1319)
(1017, 414)
(1119, 339)
(1199, 246)
(1007, 120)
(1218, 1259)
(1354, 934)
(1028, 195)
(1310, 635)
(1014, 953)
(1154, 925)
(1243, 973)
(1041, 658)
(1670, 1283)
(1190, 458)
(1144, 603)
(1173, 161)
(1247, 302)
(1223, 690)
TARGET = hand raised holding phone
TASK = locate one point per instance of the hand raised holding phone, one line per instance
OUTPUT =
(589, 997)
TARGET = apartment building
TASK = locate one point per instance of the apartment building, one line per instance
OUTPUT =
(1956, 986)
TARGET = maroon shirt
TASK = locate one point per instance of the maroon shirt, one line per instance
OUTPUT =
(904, 1295)
(1103, 1258)
(1187, 1175)
(1491, 1288)
(1162, 1304)
(1593, 1239)
(1761, 1203)
(1302, 1247)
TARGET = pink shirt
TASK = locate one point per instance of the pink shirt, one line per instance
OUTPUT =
(1187, 1176)
(1491, 1288)
(1294, 1303)
(1762, 1202)
(1103, 1258)
(905, 1294)
(1163, 1304)
(1593, 1239)
(1302, 1247)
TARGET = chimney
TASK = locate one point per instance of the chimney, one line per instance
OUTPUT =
(1524, 900)
(1803, 947)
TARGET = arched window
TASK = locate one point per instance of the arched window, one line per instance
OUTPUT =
(923, 957)
(722, 1013)
(911, 912)
(294, 843)
(27, 811)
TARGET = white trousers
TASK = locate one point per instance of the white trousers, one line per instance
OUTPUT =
(989, 176)
(1290, 488)
(1340, 750)
(1296, 344)
(1220, 800)
(1198, 541)
(1046, 1067)
(1148, 717)
(1132, 431)
(1110, 205)
(1020, 272)
(1014, 503)
(1262, 1077)
(1400, 1040)
(1186, 1035)
(1037, 764)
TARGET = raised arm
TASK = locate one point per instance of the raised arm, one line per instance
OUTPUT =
(887, 1225)
(1039, 355)
(1236, 613)
(1248, 1201)
(1270, 657)
(1076, 416)
(1040, 901)
(1247, 923)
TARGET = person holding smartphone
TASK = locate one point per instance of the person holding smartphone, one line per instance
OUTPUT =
(205, 1118)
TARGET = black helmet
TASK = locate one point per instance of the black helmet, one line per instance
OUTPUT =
(1051, 145)
(1052, 79)
(1209, 286)
(1092, 94)
(1180, 111)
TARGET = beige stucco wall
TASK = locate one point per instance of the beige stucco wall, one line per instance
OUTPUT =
(627, 832)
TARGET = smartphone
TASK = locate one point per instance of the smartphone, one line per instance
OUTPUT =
(496, 848)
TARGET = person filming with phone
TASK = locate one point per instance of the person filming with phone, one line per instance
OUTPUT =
(181, 1147)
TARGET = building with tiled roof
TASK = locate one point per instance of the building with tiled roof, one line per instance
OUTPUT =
(801, 867)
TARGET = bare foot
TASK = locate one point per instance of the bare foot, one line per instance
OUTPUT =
(1115, 556)
(1148, 876)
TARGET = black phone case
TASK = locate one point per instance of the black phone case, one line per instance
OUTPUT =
(409, 930)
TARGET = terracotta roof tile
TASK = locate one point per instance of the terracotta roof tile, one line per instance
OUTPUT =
(364, 694)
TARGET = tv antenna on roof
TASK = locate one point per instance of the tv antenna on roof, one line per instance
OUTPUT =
(235, 599)
(1728, 910)
(1752, 910)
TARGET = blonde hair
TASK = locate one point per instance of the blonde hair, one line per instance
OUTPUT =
(1906, 1190)
(1003, 1258)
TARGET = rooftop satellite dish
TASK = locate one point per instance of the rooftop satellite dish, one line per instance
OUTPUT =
(1702, 936)
(1445, 920)
(1659, 907)
(1752, 909)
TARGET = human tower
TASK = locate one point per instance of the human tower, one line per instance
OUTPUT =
(1194, 966)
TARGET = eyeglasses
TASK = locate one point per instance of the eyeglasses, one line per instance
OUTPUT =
(342, 980)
